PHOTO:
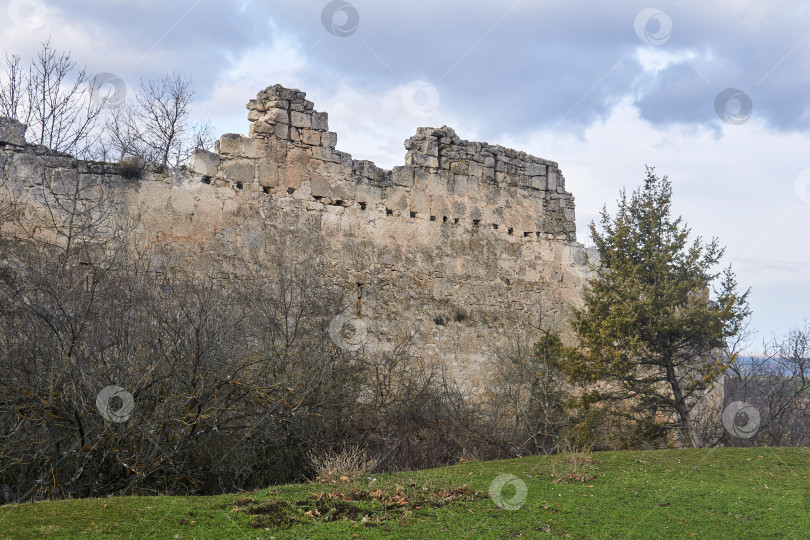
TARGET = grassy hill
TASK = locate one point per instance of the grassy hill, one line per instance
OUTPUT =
(720, 493)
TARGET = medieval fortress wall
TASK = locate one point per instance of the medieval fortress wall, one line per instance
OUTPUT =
(464, 249)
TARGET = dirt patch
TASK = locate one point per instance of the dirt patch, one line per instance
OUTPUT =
(273, 514)
(371, 507)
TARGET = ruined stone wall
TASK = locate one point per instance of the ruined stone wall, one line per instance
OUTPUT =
(465, 248)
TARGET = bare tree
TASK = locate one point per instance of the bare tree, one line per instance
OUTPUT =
(777, 385)
(61, 114)
(164, 106)
(13, 90)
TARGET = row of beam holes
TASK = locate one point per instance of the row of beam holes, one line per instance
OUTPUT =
(239, 185)
(476, 222)
(388, 212)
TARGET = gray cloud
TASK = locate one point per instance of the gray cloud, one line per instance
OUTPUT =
(517, 66)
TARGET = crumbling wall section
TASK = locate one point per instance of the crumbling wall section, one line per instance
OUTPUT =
(459, 253)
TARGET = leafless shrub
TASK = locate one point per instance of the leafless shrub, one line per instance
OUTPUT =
(132, 167)
(574, 465)
(778, 386)
(350, 463)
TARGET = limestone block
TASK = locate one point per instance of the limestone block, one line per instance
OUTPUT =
(269, 173)
(315, 206)
(12, 131)
(460, 167)
(320, 121)
(254, 115)
(320, 187)
(402, 176)
(535, 169)
(303, 192)
(253, 148)
(438, 206)
(239, 170)
(293, 176)
(311, 137)
(368, 194)
(301, 120)
(460, 186)
(261, 129)
(552, 180)
(229, 144)
(257, 105)
(279, 116)
(345, 191)
(421, 160)
(282, 131)
(474, 192)
(322, 155)
(527, 223)
(396, 199)
(539, 183)
(420, 202)
(329, 139)
(476, 170)
(203, 162)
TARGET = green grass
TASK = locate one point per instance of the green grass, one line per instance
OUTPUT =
(720, 493)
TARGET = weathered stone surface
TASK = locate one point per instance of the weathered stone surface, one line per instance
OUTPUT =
(320, 187)
(203, 162)
(12, 131)
(301, 120)
(241, 170)
(320, 121)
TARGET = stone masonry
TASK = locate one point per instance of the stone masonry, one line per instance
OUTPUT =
(464, 249)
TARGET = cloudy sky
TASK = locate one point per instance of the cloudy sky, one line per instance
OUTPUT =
(716, 97)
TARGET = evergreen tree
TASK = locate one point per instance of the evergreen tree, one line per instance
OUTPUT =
(652, 339)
